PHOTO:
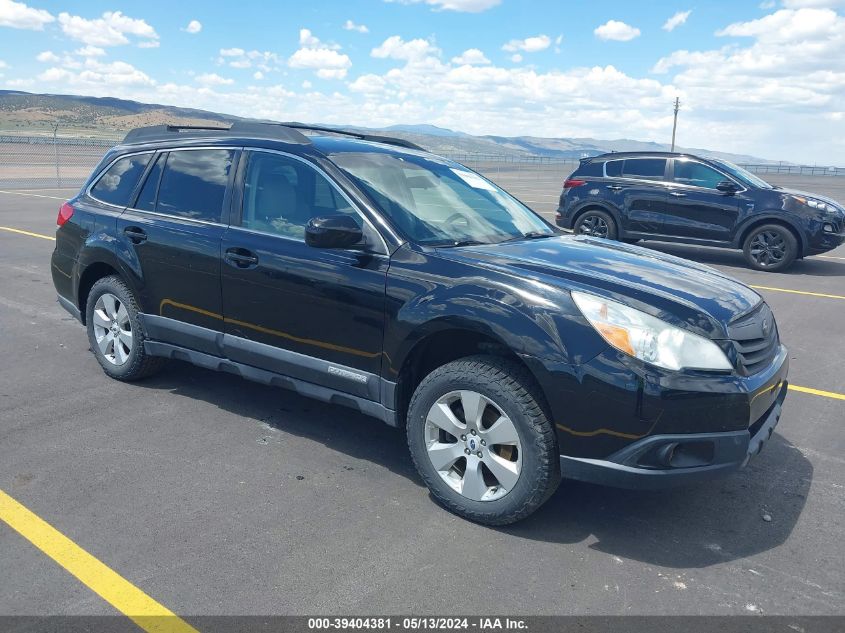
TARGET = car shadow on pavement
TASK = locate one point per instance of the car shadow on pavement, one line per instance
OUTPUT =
(745, 513)
(739, 515)
(812, 265)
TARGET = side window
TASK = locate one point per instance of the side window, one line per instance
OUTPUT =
(118, 183)
(689, 172)
(282, 194)
(647, 168)
(613, 168)
(193, 184)
(147, 197)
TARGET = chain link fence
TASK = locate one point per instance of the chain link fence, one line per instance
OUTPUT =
(46, 162)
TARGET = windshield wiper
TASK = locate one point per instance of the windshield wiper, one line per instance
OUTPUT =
(460, 243)
(531, 235)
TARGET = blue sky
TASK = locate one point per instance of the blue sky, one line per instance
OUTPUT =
(764, 78)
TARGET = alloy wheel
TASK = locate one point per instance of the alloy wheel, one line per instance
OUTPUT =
(112, 329)
(473, 445)
(593, 225)
(768, 248)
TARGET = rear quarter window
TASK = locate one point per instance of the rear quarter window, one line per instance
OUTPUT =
(613, 168)
(595, 170)
(117, 184)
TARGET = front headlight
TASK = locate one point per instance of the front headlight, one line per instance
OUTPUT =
(645, 337)
(817, 204)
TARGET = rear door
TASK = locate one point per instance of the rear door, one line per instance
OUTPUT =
(173, 233)
(696, 209)
(638, 187)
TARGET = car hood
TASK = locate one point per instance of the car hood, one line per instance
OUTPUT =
(677, 290)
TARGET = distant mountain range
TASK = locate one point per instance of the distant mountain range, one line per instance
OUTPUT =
(23, 112)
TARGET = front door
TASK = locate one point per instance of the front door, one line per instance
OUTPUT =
(696, 209)
(309, 313)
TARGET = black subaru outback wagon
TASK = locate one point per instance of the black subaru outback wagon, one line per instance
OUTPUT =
(366, 272)
(707, 202)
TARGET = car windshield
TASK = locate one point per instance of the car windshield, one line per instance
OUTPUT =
(440, 203)
(743, 174)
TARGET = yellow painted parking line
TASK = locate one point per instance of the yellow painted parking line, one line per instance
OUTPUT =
(29, 233)
(818, 392)
(799, 292)
(102, 580)
(31, 195)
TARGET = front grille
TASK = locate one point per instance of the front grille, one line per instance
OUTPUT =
(755, 339)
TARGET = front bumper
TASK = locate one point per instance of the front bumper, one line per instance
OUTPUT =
(661, 461)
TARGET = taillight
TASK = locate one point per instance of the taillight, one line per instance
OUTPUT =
(573, 182)
(65, 214)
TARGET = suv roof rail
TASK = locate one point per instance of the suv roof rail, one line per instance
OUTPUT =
(375, 138)
(275, 131)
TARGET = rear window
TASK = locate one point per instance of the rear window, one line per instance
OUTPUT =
(117, 184)
(590, 169)
(648, 168)
(193, 184)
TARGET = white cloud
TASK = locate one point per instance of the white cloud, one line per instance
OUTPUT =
(394, 47)
(466, 6)
(95, 73)
(239, 58)
(109, 30)
(89, 51)
(676, 20)
(351, 26)
(328, 64)
(258, 75)
(3, 64)
(307, 38)
(812, 4)
(18, 15)
(471, 56)
(47, 57)
(306, 85)
(616, 31)
(193, 27)
(516, 58)
(213, 79)
(529, 44)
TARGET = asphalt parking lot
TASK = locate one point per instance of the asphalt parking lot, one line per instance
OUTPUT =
(218, 496)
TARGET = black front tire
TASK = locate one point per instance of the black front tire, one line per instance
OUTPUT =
(138, 363)
(597, 224)
(514, 391)
(770, 248)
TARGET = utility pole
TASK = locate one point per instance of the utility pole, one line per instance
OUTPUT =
(675, 124)
(56, 153)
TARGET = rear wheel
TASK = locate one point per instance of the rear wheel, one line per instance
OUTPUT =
(114, 331)
(481, 441)
(597, 224)
(770, 247)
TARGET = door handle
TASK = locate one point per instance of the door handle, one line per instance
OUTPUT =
(614, 187)
(241, 258)
(677, 194)
(136, 235)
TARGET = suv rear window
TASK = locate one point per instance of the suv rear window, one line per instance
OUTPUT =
(613, 168)
(193, 184)
(648, 168)
(118, 183)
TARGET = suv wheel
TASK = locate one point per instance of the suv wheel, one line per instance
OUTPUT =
(771, 247)
(481, 441)
(597, 224)
(114, 331)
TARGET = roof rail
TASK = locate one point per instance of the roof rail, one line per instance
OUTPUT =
(375, 138)
(274, 131)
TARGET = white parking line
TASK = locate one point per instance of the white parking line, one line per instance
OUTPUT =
(32, 195)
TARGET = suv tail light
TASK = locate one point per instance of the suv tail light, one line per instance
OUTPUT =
(65, 214)
(573, 182)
